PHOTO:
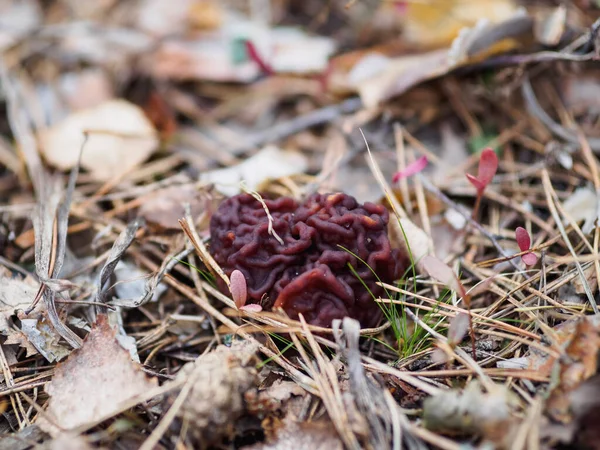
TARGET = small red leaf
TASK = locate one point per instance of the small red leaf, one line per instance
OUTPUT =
(238, 288)
(523, 239)
(488, 165)
(412, 169)
(529, 259)
(475, 182)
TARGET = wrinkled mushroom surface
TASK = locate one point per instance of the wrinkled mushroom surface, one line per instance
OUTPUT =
(309, 273)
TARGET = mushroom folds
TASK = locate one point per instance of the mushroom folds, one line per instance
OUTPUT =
(332, 248)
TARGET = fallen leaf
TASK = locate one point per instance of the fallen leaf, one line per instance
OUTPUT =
(132, 284)
(439, 23)
(223, 54)
(470, 410)
(162, 209)
(15, 294)
(583, 205)
(414, 240)
(86, 89)
(19, 338)
(579, 363)
(441, 272)
(396, 75)
(541, 361)
(269, 163)
(93, 383)
(591, 278)
(120, 138)
(44, 338)
(160, 18)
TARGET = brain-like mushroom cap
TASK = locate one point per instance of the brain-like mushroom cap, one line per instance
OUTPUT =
(310, 272)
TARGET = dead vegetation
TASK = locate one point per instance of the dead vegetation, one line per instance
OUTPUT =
(127, 123)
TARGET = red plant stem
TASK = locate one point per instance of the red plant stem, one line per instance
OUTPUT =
(477, 204)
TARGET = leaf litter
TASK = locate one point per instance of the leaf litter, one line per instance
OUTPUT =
(117, 331)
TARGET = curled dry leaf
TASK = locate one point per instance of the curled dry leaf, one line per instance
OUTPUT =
(93, 383)
(579, 364)
(120, 138)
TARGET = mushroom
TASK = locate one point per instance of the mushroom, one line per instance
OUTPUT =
(326, 251)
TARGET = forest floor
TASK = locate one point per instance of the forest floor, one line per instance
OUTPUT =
(126, 124)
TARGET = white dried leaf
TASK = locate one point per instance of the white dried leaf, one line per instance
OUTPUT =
(414, 239)
(294, 51)
(15, 294)
(132, 284)
(583, 205)
(455, 219)
(121, 137)
(269, 163)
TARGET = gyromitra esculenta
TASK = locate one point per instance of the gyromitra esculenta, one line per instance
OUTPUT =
(309, 273)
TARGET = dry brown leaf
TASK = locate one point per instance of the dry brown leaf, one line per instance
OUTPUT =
(162, 209)
(578, 364)
(93, 383)
(120, 138)
(377, 78)
(541, 361)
